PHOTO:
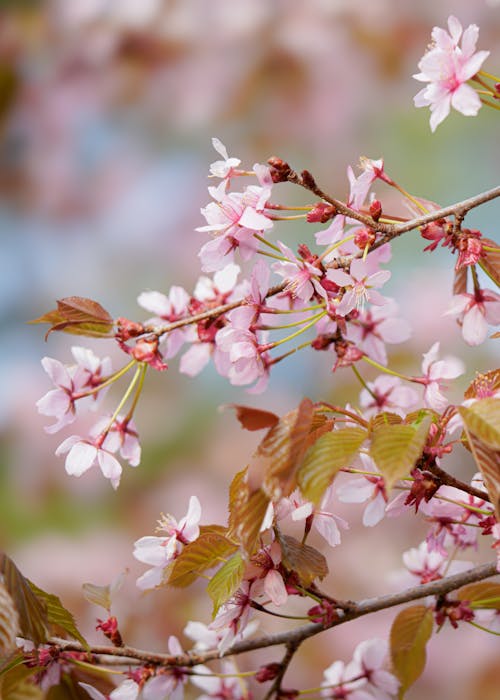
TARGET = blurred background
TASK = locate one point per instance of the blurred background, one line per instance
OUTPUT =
(107, 109)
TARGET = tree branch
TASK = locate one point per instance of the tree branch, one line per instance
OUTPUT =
(290, 638)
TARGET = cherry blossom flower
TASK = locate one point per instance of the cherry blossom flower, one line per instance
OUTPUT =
(366, 488)
(435, 372)
(474, 312)
(83, 454)
(169, 308)
(423, 564)
(159, 551)
(359, 284)
(372, 328)
(218, 687)
(322, 517)
(387, 394)
(121, 437)
(169, 684)
(264, 565)
(447, 67)
(370, 656)
(302, 278)
(72, 384)
(223, 168)
(233, 616)
(128, 690)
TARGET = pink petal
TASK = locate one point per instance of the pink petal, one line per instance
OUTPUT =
(474, 328)
(80, 458)
(466, 100)
(275, 587)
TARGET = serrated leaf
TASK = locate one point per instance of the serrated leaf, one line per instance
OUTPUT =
(490, 263)
(410, 633)
(254, 418)
(203, 553)
(397, 448)
(483, 419)
(32, 613)
(15, 684)
(9, 622)
(57, 614)
(78, 316)
(385, 418)
(226, 581)
(331, 452)
(484, 385)
(486, 592)
(103, 595)
(274, 463)
(302, 559)
(488, 463)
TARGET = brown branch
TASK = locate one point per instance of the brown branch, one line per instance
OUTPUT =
(449, 480)
(291, 648)
(297, 635)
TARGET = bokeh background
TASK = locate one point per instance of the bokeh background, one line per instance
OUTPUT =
(107, 108)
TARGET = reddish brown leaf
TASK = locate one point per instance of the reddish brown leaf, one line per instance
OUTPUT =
(254, 418)
(490, 263)
(488, 462)
(246, 515)
(460, 280)
(78, 316)
(274, 463)
(302, 559)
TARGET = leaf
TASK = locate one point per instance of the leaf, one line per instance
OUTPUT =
(385, 418)
(15, 684)
(330, 453)
(484, 591)
(226, 581)
(460, 280)
(483, 419)
(484, 385)
(254, 418)
(303, 559)
(488, 463)
(79, 316)
(57, 614)
(274, 463)
(197, 556)
(410, 633)
(246, 515)
(397, 448)
(9, 622)
(32, 613)
(490, 263)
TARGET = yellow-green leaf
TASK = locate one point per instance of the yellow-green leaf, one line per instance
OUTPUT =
(483, 419)
(203, 553)
(490, 263)
(246, 517)
(410, 633)
(330, 453)
(488, 462)
(9, 622)
(226, 581)
(303, 559)
(32, 611)
(484, 594)
(397, 448)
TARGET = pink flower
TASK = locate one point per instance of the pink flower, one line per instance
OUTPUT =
(73, 383)
(169, 683)
(302, 278)
(447, 67)
(372, 328)
(366, 488)
(83, 454)
(387, 394)
(219, 688)
(160, 551)
(359, 284)
(474, 312)
(223, 168)
(264, 565)
(233, 616)
(425, 565)
(323, 519)
(128, 690)
(435, 371)
(169, 308)
(370, 656)
(121, 437)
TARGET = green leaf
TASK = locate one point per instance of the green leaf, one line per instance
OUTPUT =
(203, 553)
(410, 632)
(483, 419)
(397, 448)
(246, 515)
(15, 683)
(330, 453)
(303, 559)
(484, 594)
(57, 614)
(32, 612)
(226, 581)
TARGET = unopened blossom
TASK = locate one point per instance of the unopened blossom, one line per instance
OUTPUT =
(359, 286)
(159, 551)
(72, 384)
(372, 328)
(387, 393)
(474, 312)
(85, 453)
(436, 372)
(364, 488)
(447, 66)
